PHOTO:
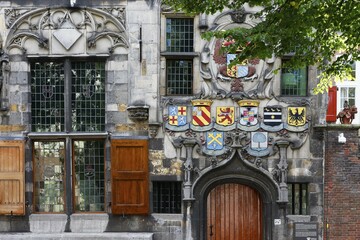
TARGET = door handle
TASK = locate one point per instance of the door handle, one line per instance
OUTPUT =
(211, 232)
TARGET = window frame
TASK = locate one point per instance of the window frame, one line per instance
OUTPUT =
(179, 201)
(306, 69)
(169, 55)
(68, 84)
(350, 84)
(292, 200)
(69, 136)
(69, 171)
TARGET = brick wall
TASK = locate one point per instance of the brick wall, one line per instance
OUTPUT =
(342, 184)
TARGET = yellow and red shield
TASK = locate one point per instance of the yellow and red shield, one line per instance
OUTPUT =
(225, 115)
(201, 112)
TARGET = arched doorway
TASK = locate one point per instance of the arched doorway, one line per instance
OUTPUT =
(218, 185)
(234, 212)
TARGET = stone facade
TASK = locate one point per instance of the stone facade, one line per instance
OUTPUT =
(129, 36)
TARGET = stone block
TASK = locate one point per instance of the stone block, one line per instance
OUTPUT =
(88, 223)
(47, 223)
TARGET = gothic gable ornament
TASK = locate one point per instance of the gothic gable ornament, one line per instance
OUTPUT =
(64, 31)
(67, 34)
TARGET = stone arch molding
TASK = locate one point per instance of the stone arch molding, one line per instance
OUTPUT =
(66, 31)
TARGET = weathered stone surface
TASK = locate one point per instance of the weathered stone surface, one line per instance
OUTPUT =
(47, 223)
(88, 223)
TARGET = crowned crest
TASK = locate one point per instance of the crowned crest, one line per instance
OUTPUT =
(201, 112)
(248, 112)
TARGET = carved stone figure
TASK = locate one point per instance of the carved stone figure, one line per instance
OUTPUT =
(347, 115)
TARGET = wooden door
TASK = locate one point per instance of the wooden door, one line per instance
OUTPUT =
(234, 213)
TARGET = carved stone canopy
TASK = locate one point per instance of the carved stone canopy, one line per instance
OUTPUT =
(138, 112)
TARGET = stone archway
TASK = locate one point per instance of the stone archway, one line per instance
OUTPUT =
(235, 171)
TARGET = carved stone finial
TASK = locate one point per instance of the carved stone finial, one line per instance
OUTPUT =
(238, 16)
(153, 129)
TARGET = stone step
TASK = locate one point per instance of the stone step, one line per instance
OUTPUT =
(77, 236)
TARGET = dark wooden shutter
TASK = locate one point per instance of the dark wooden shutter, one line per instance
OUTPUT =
(331, 110)
(130, 174)
(12, 177)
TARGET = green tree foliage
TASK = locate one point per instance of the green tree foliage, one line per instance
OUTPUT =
(313, 30)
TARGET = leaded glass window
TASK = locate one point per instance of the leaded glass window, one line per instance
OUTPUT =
(179, 62)
(89, 179)
(88, 98)
(47, 95)
(293, 81)
(49, 177)
(68, 96)
(50, 96)
(179, 34)
(179, 77)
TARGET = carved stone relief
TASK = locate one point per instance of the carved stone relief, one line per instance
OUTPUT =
(257, 126)
(66, 31)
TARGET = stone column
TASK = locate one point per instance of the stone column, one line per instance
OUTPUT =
(188, 168)
(283, 170)
(4, 85)
(188, 181)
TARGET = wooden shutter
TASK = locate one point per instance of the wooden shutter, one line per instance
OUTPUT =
(130, 174)
(332, 111)
(12, 177)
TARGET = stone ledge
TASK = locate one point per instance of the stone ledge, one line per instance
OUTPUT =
(89, 223)
(12, 128)
(77, 236)
(47, 223)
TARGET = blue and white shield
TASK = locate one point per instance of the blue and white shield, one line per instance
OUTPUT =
(215, 140)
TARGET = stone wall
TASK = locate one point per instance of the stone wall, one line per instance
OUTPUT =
(342, 183)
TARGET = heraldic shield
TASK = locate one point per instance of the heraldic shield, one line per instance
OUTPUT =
(272, 116)
(177, 115)
(225, 116)
(296, 116)
(214, 140)
(201, 114)
(248, 112)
